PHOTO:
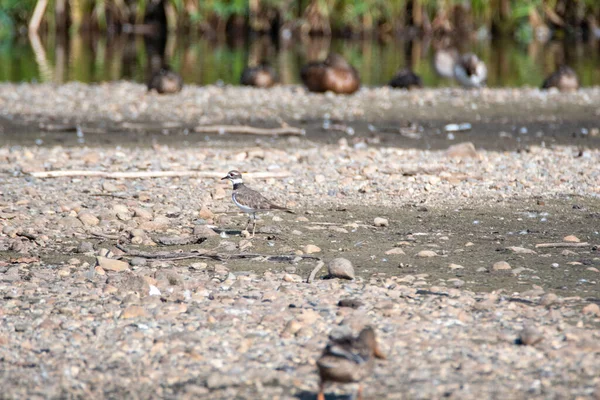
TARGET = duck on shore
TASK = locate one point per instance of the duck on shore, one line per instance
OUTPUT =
(564, 79)
(470, 71)
(165, 81)
(348, 359)
(406, 79)
(334, 74)
(261, 75)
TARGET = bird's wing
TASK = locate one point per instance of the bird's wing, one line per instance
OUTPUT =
(252, 199)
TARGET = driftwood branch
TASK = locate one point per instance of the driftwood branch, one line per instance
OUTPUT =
(312, 275)
(201, 254)
(559, 245)
(249, 130)
(152, 174)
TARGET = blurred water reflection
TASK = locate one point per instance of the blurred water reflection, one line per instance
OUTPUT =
(201, 61)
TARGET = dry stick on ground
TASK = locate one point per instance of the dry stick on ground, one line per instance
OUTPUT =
(312, 275)
(152, 174)
(164, 255)
(250, 130)
(558, 245)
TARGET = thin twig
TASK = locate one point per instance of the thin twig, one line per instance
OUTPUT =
(559, 245)
(250, 130)
(116, 196)
(152, 174)
(163, 255)
(312, 275)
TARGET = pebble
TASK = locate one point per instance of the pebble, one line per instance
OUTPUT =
(88, 219)
(395, 250)
(205, 213)
(142, 213)
(462, 150)
(381, 222)
(110, 264)
(593, 309)
(529, 336)
(426, 254)
(501, 266)
(134, 311)
(455, 266)
(85, 247)
(138, 261)
(571, 239)
(521, 250)
(340, 268)
(311, 248)
(548, 299)
(204, 231)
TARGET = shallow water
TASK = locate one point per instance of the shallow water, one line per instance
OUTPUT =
(202, 61)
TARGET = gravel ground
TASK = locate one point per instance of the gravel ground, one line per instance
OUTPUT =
(449, 276)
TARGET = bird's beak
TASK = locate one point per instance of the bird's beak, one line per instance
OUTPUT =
(225, 177)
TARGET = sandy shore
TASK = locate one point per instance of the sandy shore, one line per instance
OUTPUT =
(461, 266)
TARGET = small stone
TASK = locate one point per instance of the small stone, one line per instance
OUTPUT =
(529, 336)
(380, 222)
(85, 247)
(204, 231)
(548, 299)
(134, 312)
(292, 278)
(340, 268)
(110, 264)
(592, 309)
(521, 250)
(277, 218)
(571, 239)
(462, 150)
(311, 248)
(88, 219)
(142, 213)
(137, 261)
(219, 193)
(109, 187)
(501, 266)
(395, 250)
(455, 266)
(426, 253)
(70, 222)
(205, 213)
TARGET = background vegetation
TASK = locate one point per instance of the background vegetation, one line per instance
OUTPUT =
(382, 18)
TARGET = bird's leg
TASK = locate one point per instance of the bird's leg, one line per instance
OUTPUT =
(254, 223)
(321, 395)
(248, 223)
(359, 392)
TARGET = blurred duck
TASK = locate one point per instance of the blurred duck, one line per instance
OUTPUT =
(334, 74)
(470, 71)
(406, 79)
(564, 79)
(165, 81)
(444, 60)
(262, 76)
(348, 359)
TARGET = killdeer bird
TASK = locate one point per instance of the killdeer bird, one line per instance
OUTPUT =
(334, 74)
(564, 79)
(470, 71)
(261, 75)
(249, 200)
(348, 359)
(406, 79)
